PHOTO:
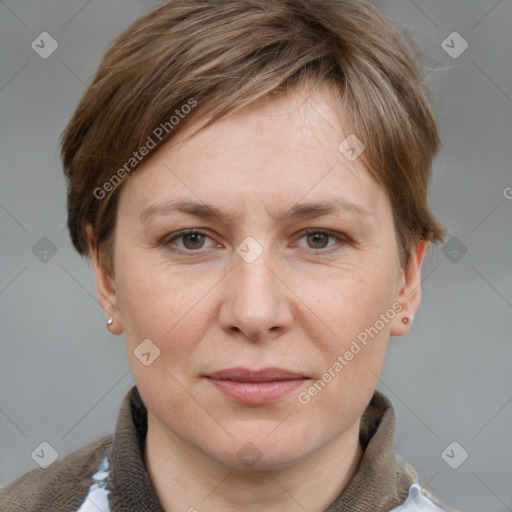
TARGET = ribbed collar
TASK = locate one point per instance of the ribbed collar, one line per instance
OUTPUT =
(380, 483)
(382, 480)
(131, 487)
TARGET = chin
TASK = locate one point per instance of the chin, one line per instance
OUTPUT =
(251, 458)
(271, 450)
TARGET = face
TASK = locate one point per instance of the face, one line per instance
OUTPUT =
(241, 277)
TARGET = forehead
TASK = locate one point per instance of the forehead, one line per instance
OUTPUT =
(283, 150)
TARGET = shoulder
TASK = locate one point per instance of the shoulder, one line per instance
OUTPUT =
(60, 487)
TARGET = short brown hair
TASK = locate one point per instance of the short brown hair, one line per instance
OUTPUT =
(226, 54)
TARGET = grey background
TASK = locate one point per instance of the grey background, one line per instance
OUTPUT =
(63, 376)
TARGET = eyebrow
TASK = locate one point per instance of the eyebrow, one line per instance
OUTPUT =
(298, 211)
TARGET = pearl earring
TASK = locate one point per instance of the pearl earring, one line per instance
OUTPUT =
(110, 320)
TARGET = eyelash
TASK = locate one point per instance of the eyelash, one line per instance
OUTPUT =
(310, 231)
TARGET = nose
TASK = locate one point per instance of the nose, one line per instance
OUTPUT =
(258, 301)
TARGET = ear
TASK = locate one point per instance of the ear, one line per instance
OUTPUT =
(105, 285)
(410, 290)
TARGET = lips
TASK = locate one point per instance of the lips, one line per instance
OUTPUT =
(247, 375)
(256, 387)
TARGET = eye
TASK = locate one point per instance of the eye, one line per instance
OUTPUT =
(193, 239)
(319, 239)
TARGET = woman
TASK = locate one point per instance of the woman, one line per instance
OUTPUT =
(250, 181)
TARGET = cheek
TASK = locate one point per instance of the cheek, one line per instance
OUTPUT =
(149, 295)
(351, 355)
(165, 305)
(346, 303)
(352, 318)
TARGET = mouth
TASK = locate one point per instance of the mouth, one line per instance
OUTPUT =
(256, 386)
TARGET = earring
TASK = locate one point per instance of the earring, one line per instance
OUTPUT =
(405, 320)
(110, 321)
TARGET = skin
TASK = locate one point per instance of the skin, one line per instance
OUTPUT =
(297, 306)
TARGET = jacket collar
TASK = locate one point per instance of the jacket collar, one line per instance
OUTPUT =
(380, 483)
(382, 479)
(131, 488)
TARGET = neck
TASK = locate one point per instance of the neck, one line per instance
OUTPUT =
(186, 479)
